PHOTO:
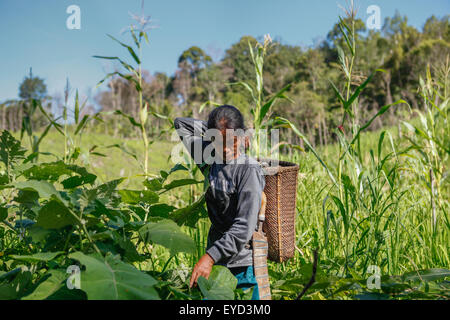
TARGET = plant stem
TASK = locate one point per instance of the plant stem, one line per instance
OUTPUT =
(80, 220)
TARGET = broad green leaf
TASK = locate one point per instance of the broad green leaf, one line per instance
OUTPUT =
(178, 167)
(47, 171)
(17, 287)
(10, 149)
(136, 196)
(160, 210)
(106, 191)
(189, 215)
(54, 170)
(43, 188)
(427, 275)
(3, 213)
(111, 279)
(55, 215)
(26, 164)
(37, 257)
(164, 174)
(129, 248)
(10, 274)
(244, 294)
(220, 285)
(179, 183)
(38, 234)
(77, 181)
(153, 184)
(168, 234)
(391, 286)
(3, 179)
(50, 283)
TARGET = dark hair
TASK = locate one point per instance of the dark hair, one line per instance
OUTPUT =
(226, 117)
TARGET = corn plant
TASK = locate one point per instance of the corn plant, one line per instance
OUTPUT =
(72, 141)
(261, 104)
(29, 108)
(135, 77)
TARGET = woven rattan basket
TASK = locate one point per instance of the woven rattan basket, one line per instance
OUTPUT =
(281, 192)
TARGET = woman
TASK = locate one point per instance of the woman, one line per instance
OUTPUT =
(233, 198)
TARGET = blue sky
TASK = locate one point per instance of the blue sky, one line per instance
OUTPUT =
(34, 34)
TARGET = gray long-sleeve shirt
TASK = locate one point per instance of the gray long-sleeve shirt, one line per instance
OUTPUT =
(233, 198)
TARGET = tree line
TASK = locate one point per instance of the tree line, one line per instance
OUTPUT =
(401, 50)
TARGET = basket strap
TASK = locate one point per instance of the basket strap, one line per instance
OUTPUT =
(262, 212)
(280, 243)
(260, 250)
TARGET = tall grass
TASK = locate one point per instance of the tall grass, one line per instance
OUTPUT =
(430, 138)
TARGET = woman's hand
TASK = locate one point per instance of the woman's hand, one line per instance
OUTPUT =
(202, 268)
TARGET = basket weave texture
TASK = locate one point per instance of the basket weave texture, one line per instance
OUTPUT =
(281, 193)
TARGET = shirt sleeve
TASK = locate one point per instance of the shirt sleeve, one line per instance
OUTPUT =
(191, 132)
(249, 193)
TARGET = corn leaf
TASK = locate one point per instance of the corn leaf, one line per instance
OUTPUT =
(358, 90)
(294, 128)
(266, 107)
(130, 49)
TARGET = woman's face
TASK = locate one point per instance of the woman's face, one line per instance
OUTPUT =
(231, 145)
